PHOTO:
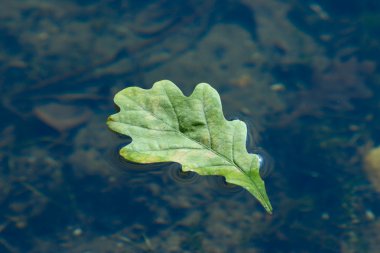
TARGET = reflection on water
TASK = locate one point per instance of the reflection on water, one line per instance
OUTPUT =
(302, 75)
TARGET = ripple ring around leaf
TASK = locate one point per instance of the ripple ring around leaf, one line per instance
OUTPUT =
(266, 162)
(185, 177)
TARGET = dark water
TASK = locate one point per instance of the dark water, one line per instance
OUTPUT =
(303, 75)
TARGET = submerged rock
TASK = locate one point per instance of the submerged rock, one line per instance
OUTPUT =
(372, 167)
(62, 117)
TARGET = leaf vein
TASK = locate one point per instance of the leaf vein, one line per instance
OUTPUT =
(172, 106)
(207, 124)
(159, 130)
(166, 149)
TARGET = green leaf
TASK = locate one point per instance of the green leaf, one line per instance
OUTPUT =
(166, 126)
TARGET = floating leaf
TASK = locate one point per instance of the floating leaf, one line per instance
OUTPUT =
(166, 126)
